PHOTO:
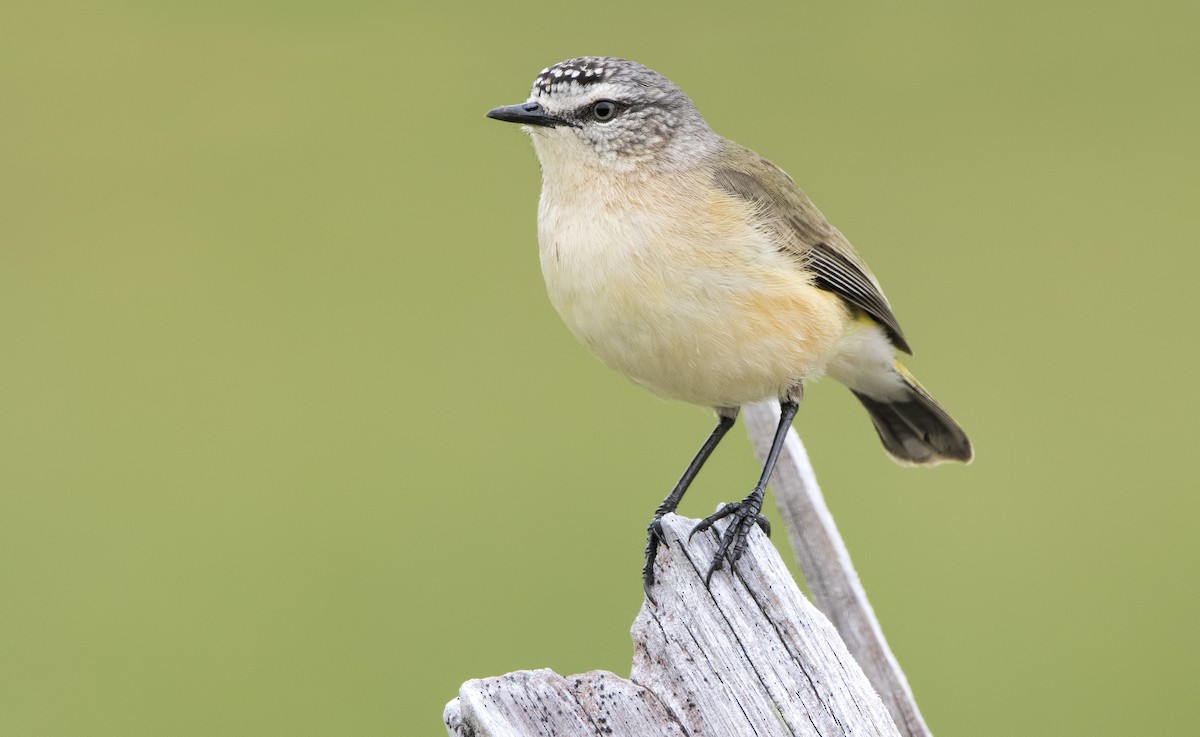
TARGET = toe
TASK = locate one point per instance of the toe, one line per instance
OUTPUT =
(656, 535)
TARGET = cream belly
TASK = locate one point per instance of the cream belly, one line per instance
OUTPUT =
(707, 311)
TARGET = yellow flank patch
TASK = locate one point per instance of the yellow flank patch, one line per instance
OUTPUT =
(900, 369)
(861, 316)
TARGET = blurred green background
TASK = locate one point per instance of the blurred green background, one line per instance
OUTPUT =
(291, 441)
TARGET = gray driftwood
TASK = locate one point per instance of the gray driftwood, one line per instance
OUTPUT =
(828, 572)
(748, 656)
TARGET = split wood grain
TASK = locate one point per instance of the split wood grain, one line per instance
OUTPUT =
(747, 656)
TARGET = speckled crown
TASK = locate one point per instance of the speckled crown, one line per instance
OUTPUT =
(582, 71)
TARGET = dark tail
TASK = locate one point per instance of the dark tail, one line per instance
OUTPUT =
(915, 429)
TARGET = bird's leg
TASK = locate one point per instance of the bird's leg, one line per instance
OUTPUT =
(746, 512)
(725, 420)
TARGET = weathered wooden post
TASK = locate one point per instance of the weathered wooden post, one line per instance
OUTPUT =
(748, 656)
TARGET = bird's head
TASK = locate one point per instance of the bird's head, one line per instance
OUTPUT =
(608, 113)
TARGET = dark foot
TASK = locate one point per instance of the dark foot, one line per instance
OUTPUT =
(733, 541)
(654, 537)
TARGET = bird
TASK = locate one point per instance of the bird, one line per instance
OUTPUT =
(701, 271)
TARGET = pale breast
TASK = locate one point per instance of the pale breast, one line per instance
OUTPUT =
(701, 307)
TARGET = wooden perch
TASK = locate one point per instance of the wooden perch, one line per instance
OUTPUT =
(825, 563)
(749, 656)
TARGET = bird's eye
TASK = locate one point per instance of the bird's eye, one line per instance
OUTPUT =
(604, 110)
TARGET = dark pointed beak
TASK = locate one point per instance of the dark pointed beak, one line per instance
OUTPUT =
(526, 113)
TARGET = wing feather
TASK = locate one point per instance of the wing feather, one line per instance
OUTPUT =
(802, 231)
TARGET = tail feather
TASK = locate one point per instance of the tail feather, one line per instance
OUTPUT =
(914, 428)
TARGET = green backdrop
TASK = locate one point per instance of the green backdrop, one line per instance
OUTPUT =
(291, 441)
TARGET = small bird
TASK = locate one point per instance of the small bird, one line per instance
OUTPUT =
(699, 270)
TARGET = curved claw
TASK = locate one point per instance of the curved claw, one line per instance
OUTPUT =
(656, 533)
(712, 519)
(717, 565)
(654, 537)
(735, 538)
(648, 581)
